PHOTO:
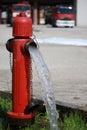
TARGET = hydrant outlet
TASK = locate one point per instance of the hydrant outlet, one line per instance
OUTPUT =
(30, 43)
(9, 45)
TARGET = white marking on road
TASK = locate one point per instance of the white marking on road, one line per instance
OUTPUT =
(63, 41)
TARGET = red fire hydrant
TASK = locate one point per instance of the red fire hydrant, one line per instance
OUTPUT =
(21, 71)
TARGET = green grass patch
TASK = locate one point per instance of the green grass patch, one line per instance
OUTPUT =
(5, 105)
(72, 120)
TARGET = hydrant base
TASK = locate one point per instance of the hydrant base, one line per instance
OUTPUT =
(20, 115)
(20, 119)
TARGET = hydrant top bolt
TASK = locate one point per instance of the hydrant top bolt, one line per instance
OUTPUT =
(22, 14)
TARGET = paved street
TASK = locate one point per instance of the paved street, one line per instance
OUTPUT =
(67, 65)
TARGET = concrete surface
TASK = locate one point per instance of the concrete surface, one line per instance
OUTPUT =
(67, 65)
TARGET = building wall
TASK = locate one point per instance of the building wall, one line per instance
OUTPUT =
(81, 12)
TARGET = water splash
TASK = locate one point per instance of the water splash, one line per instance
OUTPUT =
(46, 82)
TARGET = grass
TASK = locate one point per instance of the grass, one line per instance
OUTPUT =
(41, 122)
(73, 120)
(5, 105)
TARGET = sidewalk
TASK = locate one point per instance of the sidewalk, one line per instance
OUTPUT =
(46, 31)
(67, 65)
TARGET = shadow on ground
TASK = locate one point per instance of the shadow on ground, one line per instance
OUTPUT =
(5, 95)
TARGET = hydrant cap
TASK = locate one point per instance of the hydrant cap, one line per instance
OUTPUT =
(22, 26)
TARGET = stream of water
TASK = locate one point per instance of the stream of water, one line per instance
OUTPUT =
(47, 86)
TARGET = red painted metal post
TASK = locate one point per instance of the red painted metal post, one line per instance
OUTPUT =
(21, 72)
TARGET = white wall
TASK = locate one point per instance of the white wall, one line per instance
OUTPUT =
(81, 12)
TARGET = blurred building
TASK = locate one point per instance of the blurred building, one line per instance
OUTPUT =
(39, 6)
(81, 12)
